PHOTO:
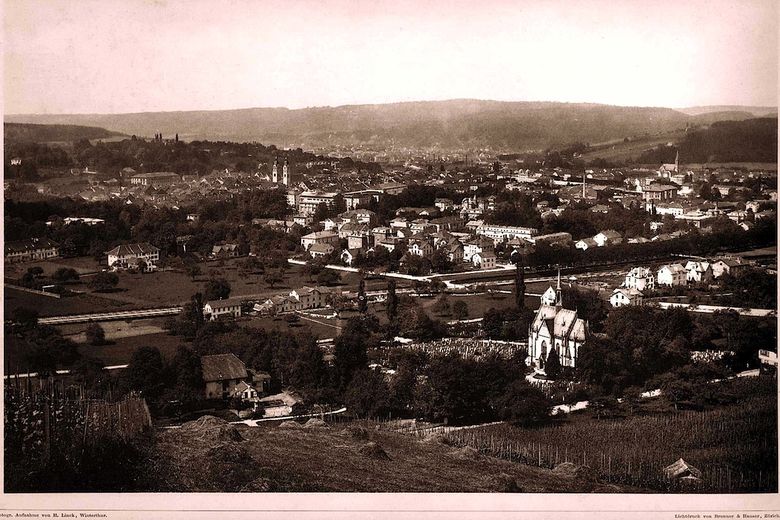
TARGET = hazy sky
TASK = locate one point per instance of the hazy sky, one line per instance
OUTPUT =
(73, 56)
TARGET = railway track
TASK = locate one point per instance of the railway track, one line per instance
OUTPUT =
(110, 316)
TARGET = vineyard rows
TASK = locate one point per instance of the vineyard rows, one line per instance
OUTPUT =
(734, 447)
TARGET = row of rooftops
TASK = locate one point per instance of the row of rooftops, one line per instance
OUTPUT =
(29, 245)
(295, 294)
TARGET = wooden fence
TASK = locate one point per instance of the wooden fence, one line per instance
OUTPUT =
(38, 426)
(33, 291)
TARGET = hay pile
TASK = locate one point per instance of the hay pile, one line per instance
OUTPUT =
(467, 453)
(437, 438)
(206, 454)
(213, 429)
(571, 470)
(228, 452)
(356, 432)
(374, 451)
(315, 423)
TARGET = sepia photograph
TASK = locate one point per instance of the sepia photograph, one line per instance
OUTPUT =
(506, 248)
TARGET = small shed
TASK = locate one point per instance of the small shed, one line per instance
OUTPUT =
(682, 470)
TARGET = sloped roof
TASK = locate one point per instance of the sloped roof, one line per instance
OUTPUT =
(321, 248)
(561, 323)
(320, 234)
(221, 367)
(681, 469)
(31, 244)
(731, 262)
(224, 247)
(640, 272)
(354, 227)
(659, 187)
(143, 248)
(221, 304)
(674, 268)
(286, 398)
(564, 319)
(544, 312)
(241, 387)
(610, 233)
(579, 330)
(588, 241)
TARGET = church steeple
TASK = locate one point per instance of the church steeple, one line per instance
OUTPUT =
(275, 170)
(286, 173)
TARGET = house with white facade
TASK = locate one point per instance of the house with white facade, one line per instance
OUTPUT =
(727, 266)
(245, 392)
(348, 256)
(477, 245)
(585, 244)
(297, 300)
(640, 278)
(30, 250)
(354, 229)
(698, 271)
(486, 260)
(549, 296)
(212, 310)
(130, 255)
(321, 250)
(623, 296)
(672, 275)
(608, 238)
(320, 237)
(499, 233)
(420, 247)
(309, 297)
(222, 374)
(309, 200)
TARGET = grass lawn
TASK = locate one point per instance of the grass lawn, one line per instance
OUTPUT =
(174, 287)
(82, 264)
(120, 350)
(46, 306)
(116, 352)
(319, 328)
(479, 303)
(114, 329)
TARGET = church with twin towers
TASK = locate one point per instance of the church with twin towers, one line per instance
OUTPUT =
(284, 177)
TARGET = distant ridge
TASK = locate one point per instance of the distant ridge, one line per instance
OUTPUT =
(42, 133)
(754, 111)
(459, 123)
